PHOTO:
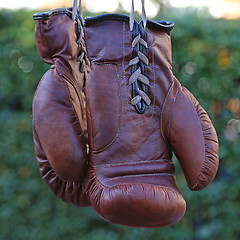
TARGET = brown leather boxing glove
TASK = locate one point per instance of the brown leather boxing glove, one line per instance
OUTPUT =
(137, 113)
(59, 116)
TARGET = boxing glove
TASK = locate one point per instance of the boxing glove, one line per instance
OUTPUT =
(137, 114)
(59, 115)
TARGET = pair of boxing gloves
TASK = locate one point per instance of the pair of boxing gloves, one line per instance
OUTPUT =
(108, 114)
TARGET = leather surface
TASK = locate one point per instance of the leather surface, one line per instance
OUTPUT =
(59, 117)
(130, 179)
(128, 175)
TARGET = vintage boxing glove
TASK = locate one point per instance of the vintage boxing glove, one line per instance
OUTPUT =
(137, 113)
(59, 115)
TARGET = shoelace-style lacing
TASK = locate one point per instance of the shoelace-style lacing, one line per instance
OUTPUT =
(76, 15)
(138, 79)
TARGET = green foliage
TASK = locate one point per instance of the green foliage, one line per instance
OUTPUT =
(206, 56)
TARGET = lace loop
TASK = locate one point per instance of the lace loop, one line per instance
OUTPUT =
(143, 58)
(134, 76)
(138, 76)
(134, 61)
(143, 79)
(136, 100)
(144, 96)
(137, 40)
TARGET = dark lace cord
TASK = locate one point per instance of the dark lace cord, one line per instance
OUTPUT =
(76, 15)
(139, 62)
(77, 7)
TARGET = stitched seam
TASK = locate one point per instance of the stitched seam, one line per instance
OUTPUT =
(140, 175)
(120, 114)
(161, 115)
(51, 14)
(124, 75)
(154, 81)
(123, 184)
(90, 122)
(133, 163)
(171, 112)
(97, 181)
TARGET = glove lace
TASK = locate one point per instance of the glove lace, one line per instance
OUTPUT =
(139, 61)
(77, 15)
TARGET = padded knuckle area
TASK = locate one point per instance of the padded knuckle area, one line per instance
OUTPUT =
(198, 153)
(112, 174)
(141, 205)
(72, 192)
(58, 128)
(211, 161)
(63, 189)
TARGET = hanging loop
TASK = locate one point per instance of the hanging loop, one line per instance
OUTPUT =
(131, 19)
(77, 7)
(144, 18)
(76, 14)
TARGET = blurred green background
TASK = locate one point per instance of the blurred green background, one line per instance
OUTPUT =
(206, 57)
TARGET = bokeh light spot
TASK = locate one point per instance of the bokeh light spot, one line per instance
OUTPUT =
(190, 68)
(230, 133)
(25, 64)
(232, 130)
